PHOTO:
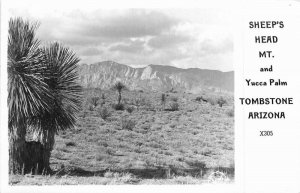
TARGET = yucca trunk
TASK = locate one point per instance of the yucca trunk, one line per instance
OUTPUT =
(17, 150)
(46, 137)
(119, 97)
(24, 157)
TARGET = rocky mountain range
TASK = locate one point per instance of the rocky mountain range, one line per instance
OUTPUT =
(155, 77)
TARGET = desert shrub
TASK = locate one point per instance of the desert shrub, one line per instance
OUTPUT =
(58, 155)
(168, 153)
(174, 99)
(136, 102)
(139, 101)
(84, 114)
(109, 151)
(221, 101)
(118, 106)
(195, 132)
(230, 113)
(174, 106)
(121, 178)
(157, 127)
(70, 143)
(104, 113)
(206, 152)
(173, 90)
(63, 149)
(172, 125)
(103, 99)
(212, 101)
(129, 109)
(137, 150)
(145, 126)
(217, 177)
(100, 157)
(194, 163)
(125, 100)
(109, 174)
(199, 99)
(143, 101)
(90, 107)
(103, 143)
(180, 159)
(127, 124)
(94, 101)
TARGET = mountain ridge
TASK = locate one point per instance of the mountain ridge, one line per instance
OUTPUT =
(154, 77)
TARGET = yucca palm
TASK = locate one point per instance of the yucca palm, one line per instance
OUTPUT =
(163, 100)
(119, 87)
(43, 94)
(62, 80)
(28, 92)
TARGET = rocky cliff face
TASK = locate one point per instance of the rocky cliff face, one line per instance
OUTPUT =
(154, 77)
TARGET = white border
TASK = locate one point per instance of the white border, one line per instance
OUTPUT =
(236, 7)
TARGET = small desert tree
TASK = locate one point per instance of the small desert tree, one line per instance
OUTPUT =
(28, 92)
(103, 98)
(119, 87)
(163, 100)
(221, 101)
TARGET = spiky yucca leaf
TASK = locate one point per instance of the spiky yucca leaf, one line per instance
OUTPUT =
(28, 93)
(119, 86)
(61, 64)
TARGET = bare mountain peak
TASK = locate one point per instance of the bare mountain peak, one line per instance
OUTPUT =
(154, 77)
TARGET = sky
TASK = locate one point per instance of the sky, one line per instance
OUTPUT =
(185, 38)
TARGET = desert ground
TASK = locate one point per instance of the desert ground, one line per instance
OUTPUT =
(188, 139)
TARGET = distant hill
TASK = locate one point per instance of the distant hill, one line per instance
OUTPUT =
(155, 77)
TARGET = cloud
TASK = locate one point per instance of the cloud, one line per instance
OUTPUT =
(210, 47)
(182, 38)
(221, 61)
(135, 46)
(90, 51)
(167, 40)
(132, 23)
(145, 56)
(95, 28)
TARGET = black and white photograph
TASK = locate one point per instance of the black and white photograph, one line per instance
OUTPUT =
(149, 96)
(131, 96)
